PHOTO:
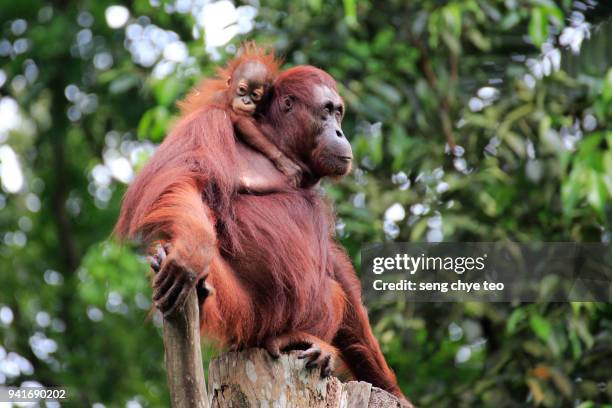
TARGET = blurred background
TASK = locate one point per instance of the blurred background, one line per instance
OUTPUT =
(474, 120)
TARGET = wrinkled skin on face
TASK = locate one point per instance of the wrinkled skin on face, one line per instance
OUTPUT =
(332, 154)
(248, 86)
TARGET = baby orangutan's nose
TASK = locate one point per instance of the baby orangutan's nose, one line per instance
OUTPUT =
(246, 101)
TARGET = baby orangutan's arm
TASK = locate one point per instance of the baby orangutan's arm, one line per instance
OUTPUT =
(254, 137)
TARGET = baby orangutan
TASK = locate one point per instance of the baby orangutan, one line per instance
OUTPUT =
(247, 87)
(241, 87)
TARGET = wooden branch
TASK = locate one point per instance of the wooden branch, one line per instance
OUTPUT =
(184, 356)
(252, 378)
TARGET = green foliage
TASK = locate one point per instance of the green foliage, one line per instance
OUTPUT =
(532, 162)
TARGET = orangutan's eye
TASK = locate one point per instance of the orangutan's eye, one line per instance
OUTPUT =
(328, 108)
(256, 95)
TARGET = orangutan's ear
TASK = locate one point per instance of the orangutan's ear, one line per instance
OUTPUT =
(287, 103)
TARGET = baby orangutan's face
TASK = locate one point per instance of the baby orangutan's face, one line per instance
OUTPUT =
(248, 85)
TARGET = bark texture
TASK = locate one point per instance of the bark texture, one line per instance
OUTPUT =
(252, 378)
(183, 356)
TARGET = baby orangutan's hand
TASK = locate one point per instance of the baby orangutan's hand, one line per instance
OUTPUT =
(293, 172)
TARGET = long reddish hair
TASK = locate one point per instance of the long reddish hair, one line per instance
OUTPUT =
(200, 151)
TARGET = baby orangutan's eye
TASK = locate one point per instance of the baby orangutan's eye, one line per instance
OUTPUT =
(242, 89)
(256, 95)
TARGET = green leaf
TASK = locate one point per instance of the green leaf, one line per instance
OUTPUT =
(315, 4)
(597, 195)
(123, 83)
(154, 123)
(540, 326)
(515, 318)
(168, 90)
(555, 14)
(418, 230)
(452, 18)
(350, 12)
(510, 20)
(538, 26)
(478, 39)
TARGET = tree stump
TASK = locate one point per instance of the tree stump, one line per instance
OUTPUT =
(252, 378)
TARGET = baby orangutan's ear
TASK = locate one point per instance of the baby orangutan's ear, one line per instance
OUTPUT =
(229, 81)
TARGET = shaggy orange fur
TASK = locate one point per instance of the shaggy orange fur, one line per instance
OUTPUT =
(204, 94)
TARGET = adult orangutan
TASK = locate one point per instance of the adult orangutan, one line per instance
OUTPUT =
(279, 277)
